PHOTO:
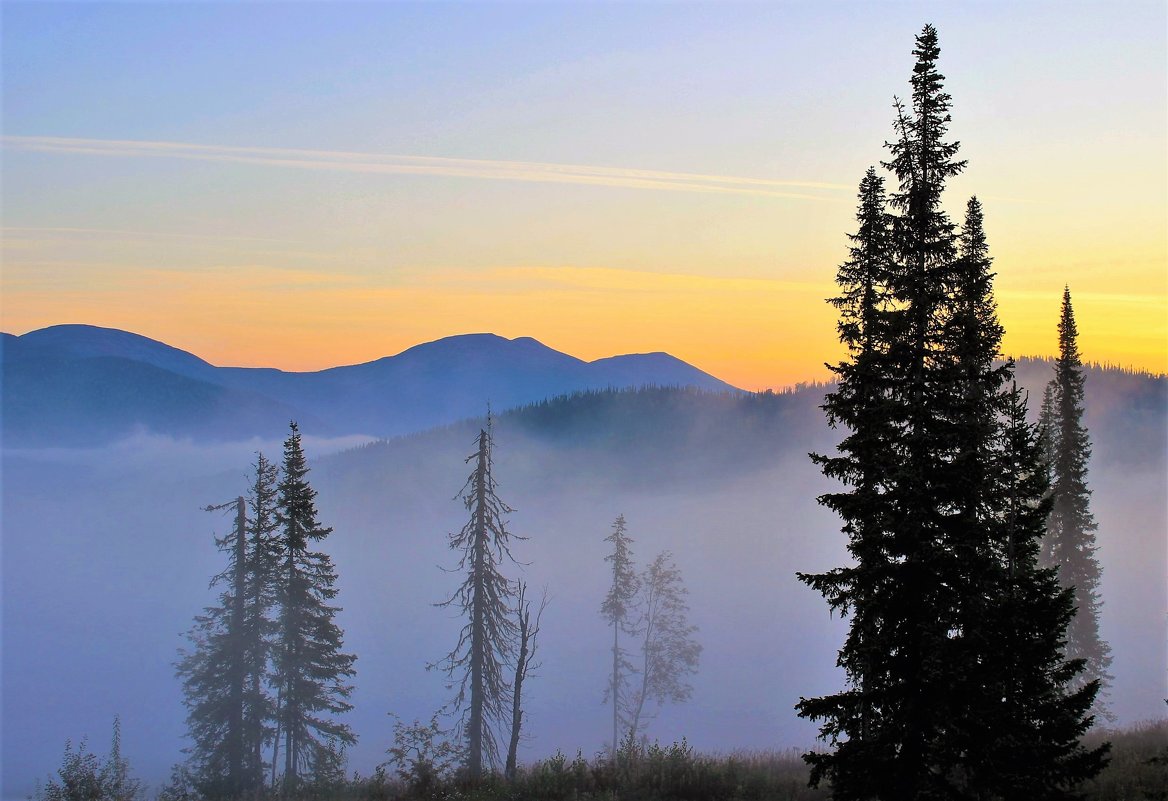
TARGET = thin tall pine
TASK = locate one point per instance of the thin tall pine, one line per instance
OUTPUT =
(618, 610)
(1070, 542)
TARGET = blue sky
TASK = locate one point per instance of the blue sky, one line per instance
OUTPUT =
(1060, 108)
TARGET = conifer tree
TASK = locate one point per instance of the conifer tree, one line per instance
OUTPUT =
(617, 609)
(926, 411)
(1020, 739)
(1047, 431)
(312, 672)
(225, 675)
(487, 598)
(1070, 542)
(215, 672)
(259, 622)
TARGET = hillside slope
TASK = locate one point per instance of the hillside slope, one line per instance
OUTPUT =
(79, 385)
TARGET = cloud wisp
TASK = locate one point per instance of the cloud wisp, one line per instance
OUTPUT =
(375, 163)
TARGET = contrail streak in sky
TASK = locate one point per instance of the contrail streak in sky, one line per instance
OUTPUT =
(373, 163)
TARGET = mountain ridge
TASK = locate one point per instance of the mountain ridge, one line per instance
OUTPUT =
(54, 395)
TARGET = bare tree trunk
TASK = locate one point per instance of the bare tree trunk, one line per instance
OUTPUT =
(528, 632)
(475, 723)
(276, 744)
(615, 685)
(646, 666)
(517, 687)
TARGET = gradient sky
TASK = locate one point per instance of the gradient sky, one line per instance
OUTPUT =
(303, 185)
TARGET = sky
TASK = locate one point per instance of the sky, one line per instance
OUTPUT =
(303, 185)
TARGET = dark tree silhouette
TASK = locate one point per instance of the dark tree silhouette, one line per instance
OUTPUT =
(487, 642)
(1026, 715)
(312, 672)
(1070, 542)
(669, 653)
(618, 609)
(926, 412)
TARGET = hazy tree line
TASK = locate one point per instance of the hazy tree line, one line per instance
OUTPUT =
(651, 611)
(265, 677)
(973, 660)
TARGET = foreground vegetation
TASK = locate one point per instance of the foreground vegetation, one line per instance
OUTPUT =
(1138, 771)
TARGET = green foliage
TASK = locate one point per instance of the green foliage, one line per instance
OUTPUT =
(83, 776)
(423, 757)
(1138, 770)
(311, 669)
(183, 785)
(666, 773)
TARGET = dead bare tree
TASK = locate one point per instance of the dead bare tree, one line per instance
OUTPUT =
(528, 632)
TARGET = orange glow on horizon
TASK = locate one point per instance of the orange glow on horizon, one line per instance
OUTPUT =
(753, 333)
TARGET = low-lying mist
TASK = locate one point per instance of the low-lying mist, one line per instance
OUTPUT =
(107, 557)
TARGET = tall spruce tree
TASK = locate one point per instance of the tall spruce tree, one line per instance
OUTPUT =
(1070, 542)
(259, 622)
(215, 672)
(1046, 432)
(617, 609)
(1020, 739)
(487, 598)
(312, 672)
(225, 676)
(1016, 709)
(926, 409)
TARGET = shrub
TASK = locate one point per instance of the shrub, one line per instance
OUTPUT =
(85, 777)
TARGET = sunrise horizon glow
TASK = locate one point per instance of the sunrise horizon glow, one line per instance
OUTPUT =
(305, 186)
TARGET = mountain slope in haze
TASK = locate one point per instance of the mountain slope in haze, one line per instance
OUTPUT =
(650, 437)
(666, 437)
(1125, 411)
(722, 481)
(90, 402)
(74, 385)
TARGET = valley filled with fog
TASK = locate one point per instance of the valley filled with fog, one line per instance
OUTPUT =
(107, 556)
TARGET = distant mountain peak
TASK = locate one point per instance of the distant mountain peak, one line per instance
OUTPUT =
(67, 381)
(82, 341)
